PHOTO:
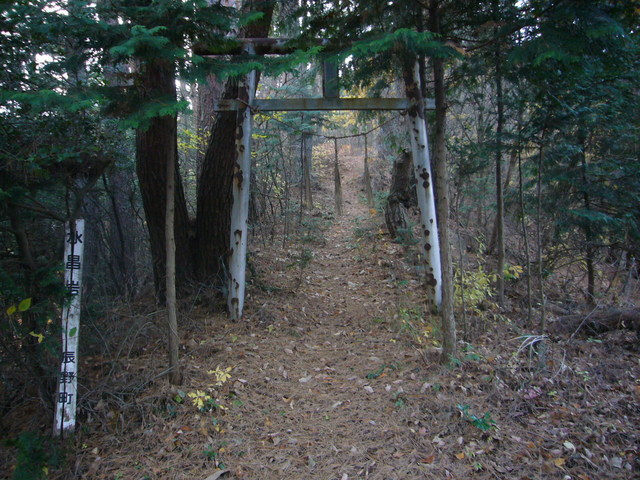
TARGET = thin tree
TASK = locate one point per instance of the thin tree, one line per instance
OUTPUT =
(449, 344)
(175, 376)
(337, 184)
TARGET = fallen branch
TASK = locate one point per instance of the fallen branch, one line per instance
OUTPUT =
(597, 322)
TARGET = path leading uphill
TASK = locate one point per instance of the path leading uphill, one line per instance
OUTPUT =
(330, 370)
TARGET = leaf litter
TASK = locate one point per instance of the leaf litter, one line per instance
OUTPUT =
(329, 379)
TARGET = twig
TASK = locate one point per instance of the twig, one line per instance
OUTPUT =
(583, 322)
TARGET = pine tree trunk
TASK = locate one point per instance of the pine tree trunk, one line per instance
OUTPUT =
(214, 197)
(154, 147)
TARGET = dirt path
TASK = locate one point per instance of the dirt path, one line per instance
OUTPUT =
(328, 373)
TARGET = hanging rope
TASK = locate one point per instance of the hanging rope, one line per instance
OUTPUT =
(320, 135)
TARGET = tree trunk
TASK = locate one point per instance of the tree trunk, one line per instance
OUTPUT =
(121, 236)
(499, 187)
(337, 183)
(449, 344)
(543, 313)
(367, 176)
(175, 375)
(598, 322)
(307, 164)
(395, 211)
(525, 233)
(155, 147)
(590, 250)
(214, 197)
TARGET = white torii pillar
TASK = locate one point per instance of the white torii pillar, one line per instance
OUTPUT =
(240, 190)
(424, 188)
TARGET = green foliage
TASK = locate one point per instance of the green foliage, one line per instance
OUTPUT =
(418, 43)
(484, 423)
(35, 456)
(475, 291)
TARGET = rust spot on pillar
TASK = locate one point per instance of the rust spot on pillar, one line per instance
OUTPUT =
(235, 301)
(427, 246)
(431, 280)
(425, 184)
(239, 178)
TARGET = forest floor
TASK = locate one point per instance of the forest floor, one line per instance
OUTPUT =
(334, 374)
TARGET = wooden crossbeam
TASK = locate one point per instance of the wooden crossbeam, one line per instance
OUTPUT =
(319, 104)
(261, 46)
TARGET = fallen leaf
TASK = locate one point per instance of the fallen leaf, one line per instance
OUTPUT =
(428, 460)
(616, 462)
(460, 455)
(559, 462)
(217, 474)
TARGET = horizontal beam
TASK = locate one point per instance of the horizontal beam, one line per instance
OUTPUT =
(261, 46)
(316, 104)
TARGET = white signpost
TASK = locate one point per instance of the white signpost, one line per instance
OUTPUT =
(65, 419)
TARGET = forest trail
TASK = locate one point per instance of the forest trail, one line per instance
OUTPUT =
(329, 375)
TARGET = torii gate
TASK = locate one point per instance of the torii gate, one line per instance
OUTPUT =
(246, 104)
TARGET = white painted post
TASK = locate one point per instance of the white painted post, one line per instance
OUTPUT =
(65, 419)
(426, 199)
(241, 188)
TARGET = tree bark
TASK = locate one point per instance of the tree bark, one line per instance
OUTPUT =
(367, 176)
(156, 146)
(175, 375)
(395, 212)
(499, 187)
(449, 343)
(337, 183)
(590, 250)
(307, 163)
(598, 322)
(214, 198)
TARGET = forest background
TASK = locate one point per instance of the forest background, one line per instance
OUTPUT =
(534, 151)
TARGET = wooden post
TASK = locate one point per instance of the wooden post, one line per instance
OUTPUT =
(424, 188)
(65, 418)
(240, 189)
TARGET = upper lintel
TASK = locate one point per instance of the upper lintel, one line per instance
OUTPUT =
(319, 104)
